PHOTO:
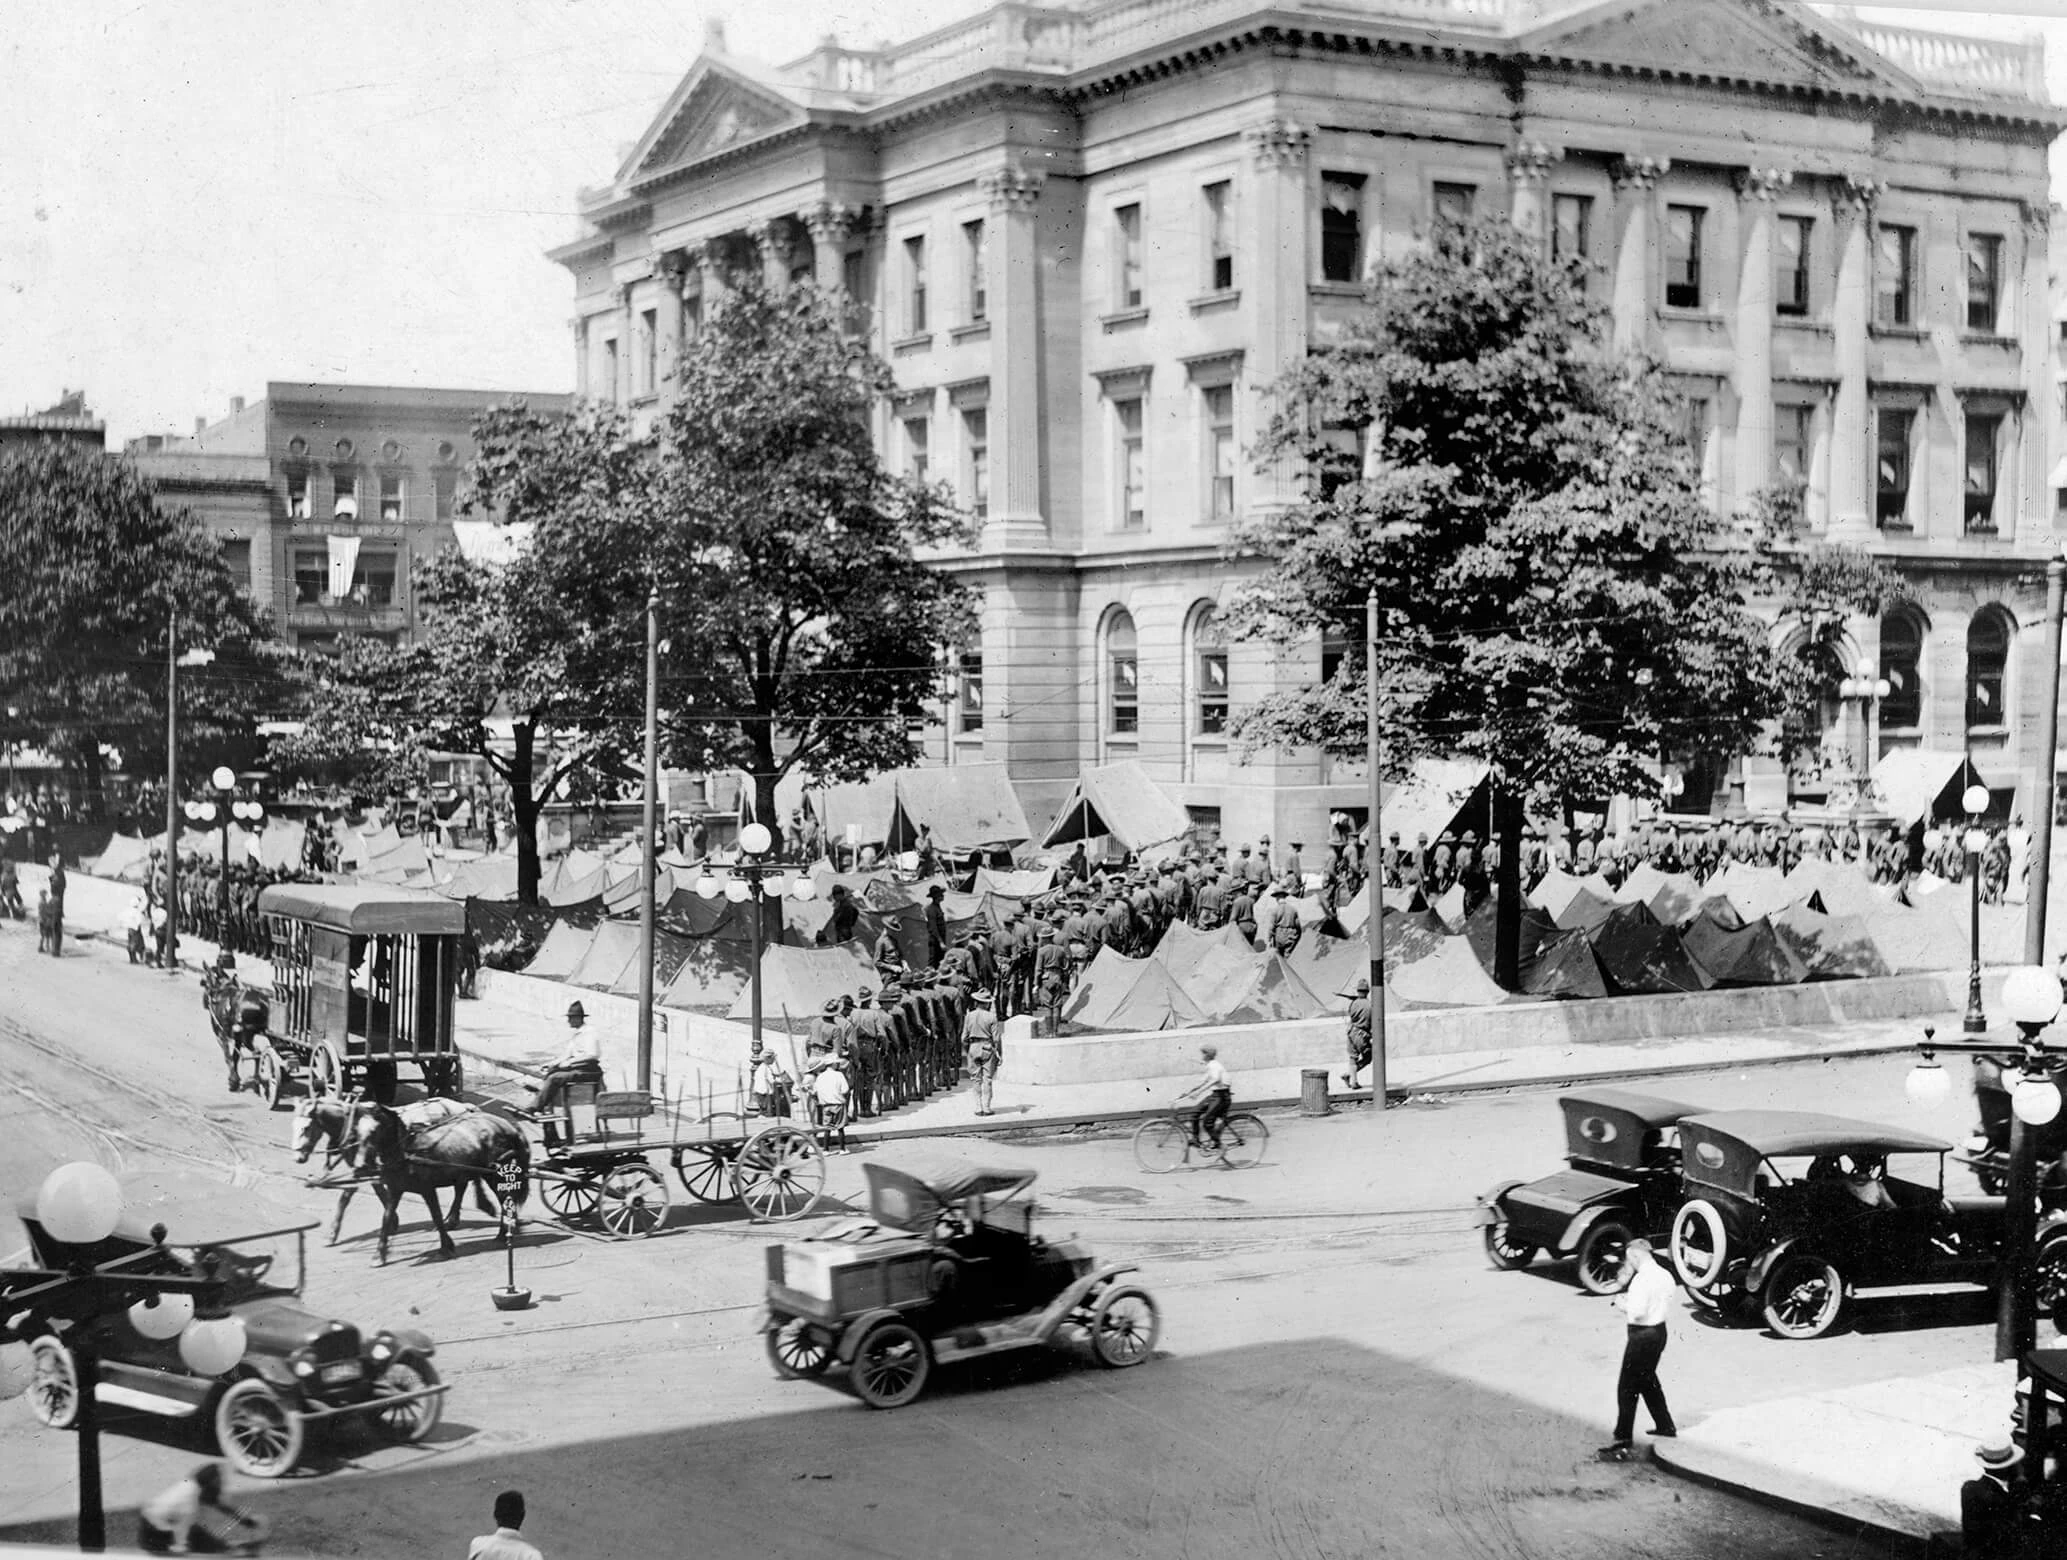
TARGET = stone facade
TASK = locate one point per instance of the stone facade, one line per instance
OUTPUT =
(1088, 238)
(277, 479)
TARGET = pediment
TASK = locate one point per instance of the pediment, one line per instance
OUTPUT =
(1744, 40)
(714, 108)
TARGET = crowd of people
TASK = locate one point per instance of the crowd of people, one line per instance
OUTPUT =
(231, 921)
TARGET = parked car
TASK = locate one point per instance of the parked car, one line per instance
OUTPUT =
(946, 1267)
(1621, 1180)
(1791, 1214)
(301, 1369)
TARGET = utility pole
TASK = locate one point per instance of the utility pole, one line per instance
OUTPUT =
(1374, 861)
(172, 786)
(646, 862)
(2044, 782)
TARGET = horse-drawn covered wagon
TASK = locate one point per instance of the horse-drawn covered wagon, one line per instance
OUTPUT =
(363, 984)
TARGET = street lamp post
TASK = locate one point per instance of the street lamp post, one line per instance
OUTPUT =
(1868, 688)
(2031, 999)
(220, 812)
(1975, 801)
(753, 880)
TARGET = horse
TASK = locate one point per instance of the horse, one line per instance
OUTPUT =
(416, 1151)
(238, 1013)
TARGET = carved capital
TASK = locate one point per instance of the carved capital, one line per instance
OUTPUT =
(1854, 196)
(831, 221)
(1529, 162)
(2038, 220)
(1640, 174)
(774, 237)
(1012, 189)
(675, 268)
(1278, 143)
(1762, 183)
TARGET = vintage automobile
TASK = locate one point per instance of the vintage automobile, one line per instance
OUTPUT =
(300, 1369)
(1791, 1214)
(945, 1267)
(1621, 1180)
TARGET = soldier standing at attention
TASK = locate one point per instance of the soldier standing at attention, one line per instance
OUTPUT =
(980, 1046)
(1359, 1033)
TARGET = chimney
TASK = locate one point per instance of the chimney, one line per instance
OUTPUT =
(236, 404)
(200, 424)
(714, 35)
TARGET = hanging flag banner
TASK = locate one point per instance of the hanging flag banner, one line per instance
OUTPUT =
(344, 562)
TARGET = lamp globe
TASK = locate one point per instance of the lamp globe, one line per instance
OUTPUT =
(1974, 799)
(2031, 995)
(212, 1345)
(2036, 1100)
(1927, 1084)
(162, 1316)
(755, 839)
(79, 1203)
(224, 778)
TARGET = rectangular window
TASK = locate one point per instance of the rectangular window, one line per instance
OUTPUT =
(1342, 227)
(1219, 236)
(1453, 202)
(969, 700)
(1983, 432)
(1126, 238)
(1132, 464)
(1791, 266)
(1891, 473)
(1343, 463)
(915, 286)
(610, 365)
(345, 495)
(1571, 227)
(649, 351)
(1894, 277)
(1126, 693)
(373, 581)
(1792, 430)
(297, 495)
(391, 499)
(917, 433)
(444, 493)
(979, 265)
(1220, 451)
(236, 557)
(1212, 693)
(1683, 256)
(311, 576)
(976, 442)
(1984, 282)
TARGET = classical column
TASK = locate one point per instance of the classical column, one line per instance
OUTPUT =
(673, 274)
(1757, 189)
(831, 223)
(1854, 441)
(709, 259)
(776, 242)
(1528, 169)
(581, 358)
(2034, 341)
(1635, 179)
(1276, 271)
(623, 389)
(1015, 518)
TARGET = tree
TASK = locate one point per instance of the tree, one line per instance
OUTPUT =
(1555, 596)
(94, 570)
(802, 630)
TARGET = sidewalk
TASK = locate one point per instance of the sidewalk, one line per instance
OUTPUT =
(1888, 1455)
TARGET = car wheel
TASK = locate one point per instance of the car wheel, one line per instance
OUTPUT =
(53, 1384)
(1124, 1328)
(415, 1420)
(891, 1366)
(1804, 1297)
(260, 1436)
(796, 1351)
(1504, 1251)
(1602, 1251)
(1699, 1244)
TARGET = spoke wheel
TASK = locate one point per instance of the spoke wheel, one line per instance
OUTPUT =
(632, 1200)
(1159, 1146)
(1243, 1139)
(53, 1384)
(779, 1173)
(259, 1435)
(1699, 1245)
(1124, 1328)
(328, 1072)
(1504, 1251)
(1601, 1252)
(571, 1200)
(705, 1180)
(1804, 1297)
(409, 1421)
(797, 1352)
(272, 1077)
(891, 1366)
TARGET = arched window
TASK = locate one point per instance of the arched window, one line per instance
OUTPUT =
(1988, 659)
(1209, 684)
(1901, 663)
(1122, 676)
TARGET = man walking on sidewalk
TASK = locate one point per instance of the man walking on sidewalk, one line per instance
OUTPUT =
(1644, 1304)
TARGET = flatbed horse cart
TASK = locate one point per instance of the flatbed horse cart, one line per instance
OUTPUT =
(594, 1168)
(363, 985)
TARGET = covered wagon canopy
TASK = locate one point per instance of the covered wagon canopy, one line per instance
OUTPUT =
(1119, 800)
(966, 807)
(1914, 783)
(366, 910)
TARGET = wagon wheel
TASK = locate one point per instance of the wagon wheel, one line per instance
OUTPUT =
(272, 1077)
(633, 1200)
(572, 1199)
(445, 1077)
(779, 1173)
(706, 1183)
(326, 1072)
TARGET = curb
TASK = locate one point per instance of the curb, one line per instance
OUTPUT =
(1898, 1541)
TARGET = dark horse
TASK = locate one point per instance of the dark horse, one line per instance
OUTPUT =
(464, 1147)
(239, 1015)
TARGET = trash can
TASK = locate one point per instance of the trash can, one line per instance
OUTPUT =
(1313, 1092)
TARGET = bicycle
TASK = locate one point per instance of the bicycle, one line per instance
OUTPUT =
(1165, 1143)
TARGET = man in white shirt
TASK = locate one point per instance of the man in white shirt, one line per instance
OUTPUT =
(1213, 1109)
(830, 1089)
(1645, 1303)
(507, 1542)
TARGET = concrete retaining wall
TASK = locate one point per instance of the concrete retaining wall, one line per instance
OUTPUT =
(683, 1043)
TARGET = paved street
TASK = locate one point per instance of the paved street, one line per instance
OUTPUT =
(1341, 1373)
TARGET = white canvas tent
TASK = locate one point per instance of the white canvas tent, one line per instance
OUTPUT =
(1913, 783)
(1119, 800)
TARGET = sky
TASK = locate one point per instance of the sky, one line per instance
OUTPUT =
(197, 196)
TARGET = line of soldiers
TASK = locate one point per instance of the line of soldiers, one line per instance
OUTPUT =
(201, 899)
(902, 1043)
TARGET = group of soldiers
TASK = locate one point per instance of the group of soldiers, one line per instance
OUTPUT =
(201, 906)
(902, 1042)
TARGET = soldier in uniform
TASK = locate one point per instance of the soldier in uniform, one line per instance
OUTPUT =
(1284, 922)
(865, 1042)
(1241, 911)
(1212, 902)
(1051, 977)
(1359, 1033)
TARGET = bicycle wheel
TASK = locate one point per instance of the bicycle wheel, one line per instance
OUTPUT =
(1243, 1138)
(1159, 1145)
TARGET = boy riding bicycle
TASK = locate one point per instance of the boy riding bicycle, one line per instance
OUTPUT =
(1219, 1099)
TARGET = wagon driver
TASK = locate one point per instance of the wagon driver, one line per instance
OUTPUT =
(581, 1062)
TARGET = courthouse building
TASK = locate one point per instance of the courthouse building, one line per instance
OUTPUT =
(1088, 236)
(322, 495)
